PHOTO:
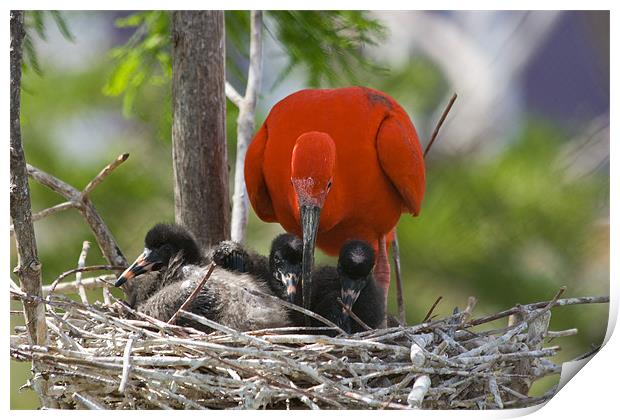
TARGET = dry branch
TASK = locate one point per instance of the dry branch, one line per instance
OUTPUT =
(81, 201)
(439, 124)
(78, 274)
(245, 125)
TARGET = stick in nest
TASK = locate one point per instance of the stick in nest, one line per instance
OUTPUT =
(352, 315)
(430, 311)
(193, 295)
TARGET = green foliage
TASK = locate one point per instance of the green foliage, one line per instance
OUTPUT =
(145, 58)
(328, 45)
(35, 21)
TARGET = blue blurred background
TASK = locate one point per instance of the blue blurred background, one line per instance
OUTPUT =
(517, 200)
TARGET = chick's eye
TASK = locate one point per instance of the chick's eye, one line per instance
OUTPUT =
(329, 185)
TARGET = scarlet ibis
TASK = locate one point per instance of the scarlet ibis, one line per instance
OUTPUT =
(333, 165)
(228, 298)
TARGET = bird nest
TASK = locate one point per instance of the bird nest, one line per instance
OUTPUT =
(106, 355)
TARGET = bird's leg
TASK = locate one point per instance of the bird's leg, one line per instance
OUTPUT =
(399, 283)
(382, 267)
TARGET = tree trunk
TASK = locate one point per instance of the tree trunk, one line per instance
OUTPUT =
(199, 149)
(28, 266)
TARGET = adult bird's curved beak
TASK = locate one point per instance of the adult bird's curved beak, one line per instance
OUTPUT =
(350, 291)
(144, 263)
(310, 216)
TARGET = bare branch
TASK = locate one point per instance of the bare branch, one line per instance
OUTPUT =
(439, 124)
(49, 211)
(78, 274)
(80, 200)
(88, 401)
(87, 283)
(245, 128)
(126, 365)
(538, 305)
(52, 287)
(104, 174)
(233, 95)
(430, 311)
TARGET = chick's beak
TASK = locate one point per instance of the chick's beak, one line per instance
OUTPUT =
(349, 293)
(290, 281)
(144, 263)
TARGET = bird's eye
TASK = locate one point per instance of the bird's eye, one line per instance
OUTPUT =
(329, 185)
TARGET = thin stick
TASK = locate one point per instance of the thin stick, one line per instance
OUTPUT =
(87, 283)
(78, 274)
(193, 295)
(126, 364)
(517, 309)
(81, 201)
(82, 269)
(245, 126)
(49, 211)
(439, 124)
(430, 311)
(352, 315)
(402, 313)
(103, 174)
(88, 401)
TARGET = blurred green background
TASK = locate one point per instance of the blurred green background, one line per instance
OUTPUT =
(517, 200)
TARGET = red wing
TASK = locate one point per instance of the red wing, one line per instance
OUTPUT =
(254, 178)
(401, 158)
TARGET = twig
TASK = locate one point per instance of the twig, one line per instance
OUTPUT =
(563, 333)
(103, 174)
(126, 364)
(193, 295)
(49, 211)
(87, 283)
(78, 274)
(88, 401)
(430, 311)
(52, 287)
(81, 201)
(492, 384)
(232, 94)
(538, 305)
(352, 315)
(402, 313)
(439, 124)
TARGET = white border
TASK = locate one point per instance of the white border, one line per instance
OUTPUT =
(594, 390)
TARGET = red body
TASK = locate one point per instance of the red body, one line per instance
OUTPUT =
(378, 172)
